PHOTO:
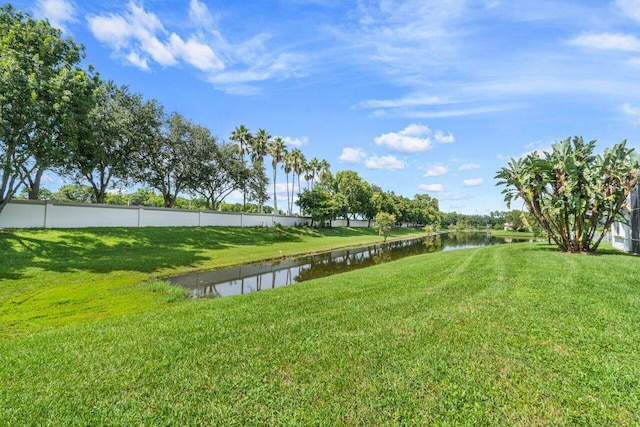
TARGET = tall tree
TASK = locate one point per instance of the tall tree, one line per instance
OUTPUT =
(259, 145)
(114, 129)
(43, 92)
(297, 161)
(288, 167)
(324, 171)
(277, 150)
(221, 171)
(309, 173)
(357, 194)
(241, 136)
(166, 159)
(571, 192)
(257, 185)
(321, 202)
(424, 210)
(259, 148)
(314, 168)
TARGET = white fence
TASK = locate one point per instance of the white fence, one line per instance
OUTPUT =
(51, 214)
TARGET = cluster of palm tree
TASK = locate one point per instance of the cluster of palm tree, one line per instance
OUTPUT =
(257, 146)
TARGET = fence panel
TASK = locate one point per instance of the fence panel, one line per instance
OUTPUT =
(52, 214)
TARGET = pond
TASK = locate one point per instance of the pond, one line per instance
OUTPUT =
(256, 277)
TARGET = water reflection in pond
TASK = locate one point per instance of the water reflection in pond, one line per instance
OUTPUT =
(255, 277)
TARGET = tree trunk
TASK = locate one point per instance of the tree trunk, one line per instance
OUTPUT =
(275, 198)
(34, 185)
(288, 198)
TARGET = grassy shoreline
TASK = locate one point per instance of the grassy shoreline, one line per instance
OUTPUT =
(51, 278)
(505, 335)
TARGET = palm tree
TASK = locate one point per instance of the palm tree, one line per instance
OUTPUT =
(314, 169)
(324, 169)
(297, 160)
(277, 150)
(259, 145)
(308, 173)
(288, 166)
(242, 137)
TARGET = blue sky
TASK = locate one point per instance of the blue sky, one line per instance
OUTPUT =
(416, 96)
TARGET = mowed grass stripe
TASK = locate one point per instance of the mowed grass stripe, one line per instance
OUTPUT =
(504, 335)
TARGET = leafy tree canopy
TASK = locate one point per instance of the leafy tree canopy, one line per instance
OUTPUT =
(43, 93)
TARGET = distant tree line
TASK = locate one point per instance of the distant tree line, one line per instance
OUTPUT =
(346, 195)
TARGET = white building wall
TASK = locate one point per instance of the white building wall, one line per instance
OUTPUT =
(627, 237)
(621, 236)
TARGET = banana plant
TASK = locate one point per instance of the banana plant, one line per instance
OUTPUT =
(572, 192)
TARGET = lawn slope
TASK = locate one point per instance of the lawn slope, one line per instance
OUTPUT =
(505, 335)
(52, 278)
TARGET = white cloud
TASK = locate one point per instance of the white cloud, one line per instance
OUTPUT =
(137, 60)
(295, 142)
(195, 53)
(431, 187)
(384, 162)
(199, 14)
(112, 30)
(352, 155)
(409, 101)
(441, 138)
(263, 67)
(472, 182)
(631, 8)
(134, 35)
(468, 167)
(58, 12)
(141, 39)
(436, 170)
(412, 139)
(159, 51)
(608, 41)
(408, 38)
(632, 112)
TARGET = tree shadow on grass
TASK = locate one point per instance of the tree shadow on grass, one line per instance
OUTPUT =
(103, 250)
(73, 252)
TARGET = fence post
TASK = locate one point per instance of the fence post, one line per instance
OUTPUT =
(46, 211)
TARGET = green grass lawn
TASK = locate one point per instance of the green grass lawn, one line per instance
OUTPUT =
(504, 335)
(59, 277)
